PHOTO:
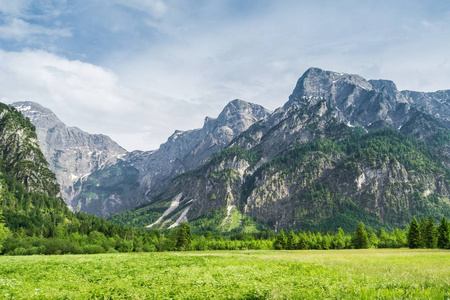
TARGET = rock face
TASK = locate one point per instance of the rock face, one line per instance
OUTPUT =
(141, 176)
(436, 104)
(340, 151)
(71, 152)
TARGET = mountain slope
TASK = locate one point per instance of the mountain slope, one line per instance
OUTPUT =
(71, 152)
(21, 157)
(331, 156)
(140, 176)
(38, 218)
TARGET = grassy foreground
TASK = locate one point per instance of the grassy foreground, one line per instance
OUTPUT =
(358, 274)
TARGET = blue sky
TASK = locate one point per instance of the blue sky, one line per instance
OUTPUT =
(136, 70)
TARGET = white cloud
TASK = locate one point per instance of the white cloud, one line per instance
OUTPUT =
(93, 99)
(155, 8)
(14, 7)
(17, 29)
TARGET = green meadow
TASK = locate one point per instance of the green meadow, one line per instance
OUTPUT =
(332, 274)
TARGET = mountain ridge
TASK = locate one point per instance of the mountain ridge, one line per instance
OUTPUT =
(328, 107)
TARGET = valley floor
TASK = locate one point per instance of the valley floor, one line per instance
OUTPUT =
(348, 274)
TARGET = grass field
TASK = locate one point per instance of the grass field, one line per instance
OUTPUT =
(349, 274)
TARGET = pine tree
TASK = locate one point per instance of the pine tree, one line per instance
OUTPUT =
(443, 232)
(423, 232)
(280, 241)
(302, 241)
(414, 240)
(292, 240)
(184, 237)
(360, 239)
(430, 234)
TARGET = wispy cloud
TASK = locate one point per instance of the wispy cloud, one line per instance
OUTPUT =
(155, 8)
(17, 29)
(92, 98)
(14, 8)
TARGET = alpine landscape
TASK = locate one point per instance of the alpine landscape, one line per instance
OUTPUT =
(340, 190)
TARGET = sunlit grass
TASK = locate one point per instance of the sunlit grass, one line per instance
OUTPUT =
(357, 274)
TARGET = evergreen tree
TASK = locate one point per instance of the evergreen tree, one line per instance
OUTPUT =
(423, 234)
(414, 240)
(443, 233)
(292, 241)
(280, 241)
(302, 241)
(184, 237)
(360, 239)
(430, 234)
(3, 231)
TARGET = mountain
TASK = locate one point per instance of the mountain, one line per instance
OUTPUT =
(140, 176)
(32, 210)
(71, 152)
(341, 150)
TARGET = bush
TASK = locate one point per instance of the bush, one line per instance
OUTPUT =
(93, 249)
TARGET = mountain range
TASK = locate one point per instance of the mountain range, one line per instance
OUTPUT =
(341, 150)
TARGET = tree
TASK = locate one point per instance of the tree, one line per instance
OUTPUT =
(3, 231)
(208, 235)
(280, 241)
(360, 239)
(184, 237)
(429, 236)
(443, 233)
(373, 238)
(302, 241)
(414, 240)
(292, 240)
(422, 228)
(383, 239)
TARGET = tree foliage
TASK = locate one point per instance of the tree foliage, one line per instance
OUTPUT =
(443, 234)
(184, 237)
(414, 239)
(360, 239)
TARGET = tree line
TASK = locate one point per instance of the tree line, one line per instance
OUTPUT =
(423, 234)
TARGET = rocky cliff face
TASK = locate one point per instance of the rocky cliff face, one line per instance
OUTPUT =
(341, 150)
(436, 104)
(71, 152)
(146, 174)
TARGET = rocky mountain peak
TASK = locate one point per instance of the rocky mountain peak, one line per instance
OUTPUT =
(238, 115)
(71, 152)
(183, 151)
(40, 116)
(383, 85)
(316, 82)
